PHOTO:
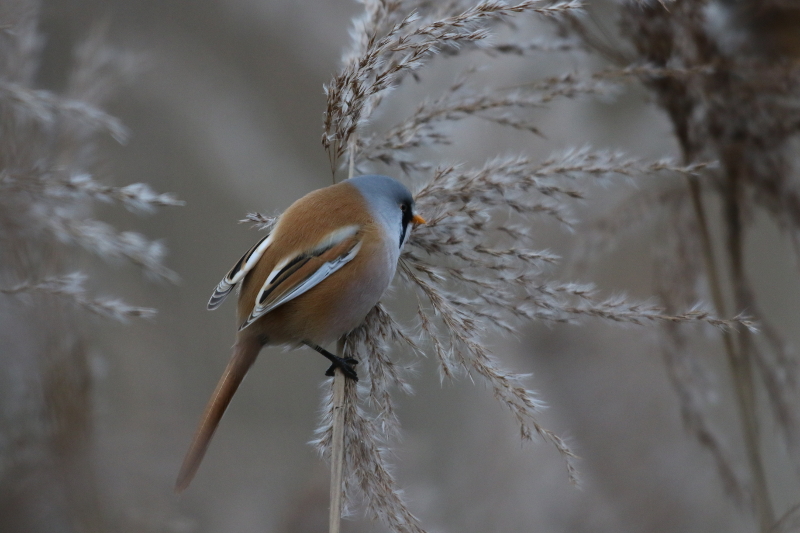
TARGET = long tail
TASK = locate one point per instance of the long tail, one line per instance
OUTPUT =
(244, 354)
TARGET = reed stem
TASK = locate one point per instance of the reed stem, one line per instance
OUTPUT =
(337, 447)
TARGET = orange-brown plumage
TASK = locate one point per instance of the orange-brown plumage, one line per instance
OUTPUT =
(326, 263)
(314, 316)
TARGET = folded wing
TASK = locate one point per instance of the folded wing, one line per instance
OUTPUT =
(301, 272)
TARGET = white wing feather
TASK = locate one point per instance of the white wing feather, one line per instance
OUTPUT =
(238, 272)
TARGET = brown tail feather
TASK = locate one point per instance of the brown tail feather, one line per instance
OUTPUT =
(244, 355)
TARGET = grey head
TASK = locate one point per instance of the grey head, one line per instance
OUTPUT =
(389, 201)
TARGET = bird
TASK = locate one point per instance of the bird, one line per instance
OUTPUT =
(314, 278)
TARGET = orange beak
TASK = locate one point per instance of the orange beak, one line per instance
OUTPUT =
(417, 220)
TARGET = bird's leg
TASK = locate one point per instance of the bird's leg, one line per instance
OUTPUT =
(343, 363)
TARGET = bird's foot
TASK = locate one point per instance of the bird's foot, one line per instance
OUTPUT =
(345, 364)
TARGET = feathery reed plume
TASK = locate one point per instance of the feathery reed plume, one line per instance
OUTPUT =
(473, 267)
(380, 60)
(48, 153)
(726, 75)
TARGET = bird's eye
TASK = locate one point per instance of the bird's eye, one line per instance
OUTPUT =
(403, 208)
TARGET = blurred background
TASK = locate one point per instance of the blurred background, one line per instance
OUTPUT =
(225, 111)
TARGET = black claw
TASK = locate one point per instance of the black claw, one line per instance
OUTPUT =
(345, 366)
